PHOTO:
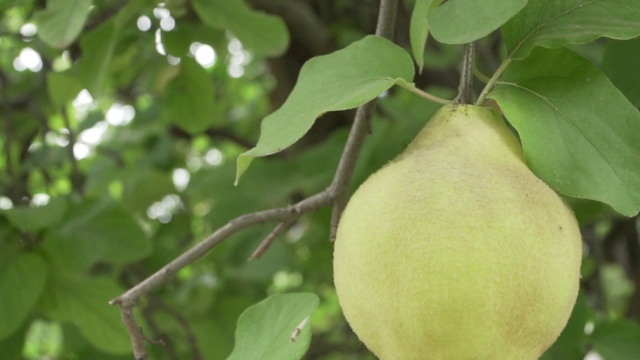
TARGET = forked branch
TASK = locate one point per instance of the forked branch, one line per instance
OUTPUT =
(334, 195)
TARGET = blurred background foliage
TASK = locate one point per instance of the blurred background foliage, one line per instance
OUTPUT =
(121, 122)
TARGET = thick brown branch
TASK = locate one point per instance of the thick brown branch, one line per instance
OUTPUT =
(340, 184)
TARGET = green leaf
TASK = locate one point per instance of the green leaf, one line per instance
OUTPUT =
(579, 133)
(419, 28)
(144, 187)
(342, 80)
(97, 231)
(265, 329)
(97, 50)
(617, 340)
(62, 22)
(22, 281)
(62, 88)
(463, 21)
(189, 99)
(262, 33)
(620, 63)
(83, 302)
(553, 24)
(177, 41)
(38, 218)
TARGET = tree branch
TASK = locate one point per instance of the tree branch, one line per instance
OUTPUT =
(335, 194)
(340, 184)
(465, 91)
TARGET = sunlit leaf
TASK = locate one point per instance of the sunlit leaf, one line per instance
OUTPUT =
(579, 133)
(61, 23)
(22, 281)
(265, 330)
(260, 32)
(83, 301)
(553, 24)
(342, 80)
(463, 21)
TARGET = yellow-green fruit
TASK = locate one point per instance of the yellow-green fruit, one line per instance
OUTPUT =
(455, 250)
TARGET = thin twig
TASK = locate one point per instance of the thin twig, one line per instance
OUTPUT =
(385, 28)
(264, 245)
(465, 90)
(260, 217)
(135, 333)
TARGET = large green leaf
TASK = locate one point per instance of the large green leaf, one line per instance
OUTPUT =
(82, 301)
(620, 63)
(62, 22)
(265, 329)
(97, 231)
(579, 133)
(21, 283)
(342, 80)
(38, 218)
(463, 21)
(189, 99)
(617, 340)
(262, 33)
(553, 24)
(97, 50)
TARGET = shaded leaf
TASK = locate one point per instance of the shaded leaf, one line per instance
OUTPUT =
(342, 80)
(260, 32)
(83, 302)
(97, 51)
(97, 231)
(419, 28)
(463, 21)
(189, 98)
(579, 133)
(617, 340)
(38, 218)
(145, 187)
(553, 24)
(265, 329)
(21, 283)
(61, 23)
(620, 63)
(62, 88)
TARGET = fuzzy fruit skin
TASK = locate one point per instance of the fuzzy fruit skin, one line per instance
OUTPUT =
(456, 250)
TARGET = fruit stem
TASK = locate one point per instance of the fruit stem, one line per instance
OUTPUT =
(412, 88)
(492, 81)
(465, 91)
